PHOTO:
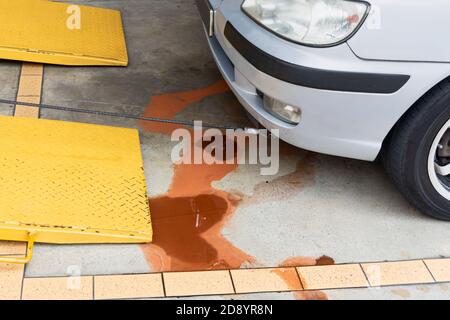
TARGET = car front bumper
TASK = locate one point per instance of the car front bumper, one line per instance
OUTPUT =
(348, 105)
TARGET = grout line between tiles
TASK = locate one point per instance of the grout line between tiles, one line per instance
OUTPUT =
(163, 284)
(300, 278)
(431, 273)
(365, 275)
(232, 281)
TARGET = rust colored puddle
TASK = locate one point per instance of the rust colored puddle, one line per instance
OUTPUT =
(310, 295)
(167, 106)
(325, 261)
(179, 224)
(188, 230)
(305, 262)
(188, 219)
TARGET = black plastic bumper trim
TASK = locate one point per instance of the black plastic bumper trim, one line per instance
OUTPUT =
(312, 77)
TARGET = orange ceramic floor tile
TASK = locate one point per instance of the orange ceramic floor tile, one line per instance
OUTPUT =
(439, 268)
(65, 288)
(179, 284)
(12, 248)
(332, 277)
(397, 273)
(30, 87)
(128, 286)
(11, 276)
(266, 280)
(32, 69)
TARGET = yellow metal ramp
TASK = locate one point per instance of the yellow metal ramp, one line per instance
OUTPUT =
(61, 33)
(63, 182)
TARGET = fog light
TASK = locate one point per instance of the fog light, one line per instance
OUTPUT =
(281, 110)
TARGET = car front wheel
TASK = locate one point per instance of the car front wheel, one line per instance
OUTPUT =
(417, 153)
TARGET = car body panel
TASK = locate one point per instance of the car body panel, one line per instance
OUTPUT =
(348, 124)
(405, 31)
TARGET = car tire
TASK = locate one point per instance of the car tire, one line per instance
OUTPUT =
(412, 162)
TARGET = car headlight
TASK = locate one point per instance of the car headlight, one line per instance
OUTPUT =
(310, 22)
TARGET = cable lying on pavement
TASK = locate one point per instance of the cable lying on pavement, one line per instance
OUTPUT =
(123, 115)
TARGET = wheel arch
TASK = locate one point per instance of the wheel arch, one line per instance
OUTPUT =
(407, 112)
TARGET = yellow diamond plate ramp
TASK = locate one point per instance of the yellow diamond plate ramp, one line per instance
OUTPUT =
(63, 182)
(61, 33)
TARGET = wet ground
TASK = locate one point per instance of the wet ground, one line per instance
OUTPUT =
(317, 210)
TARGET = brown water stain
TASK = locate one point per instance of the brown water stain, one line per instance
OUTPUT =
(167, 106)
(187, 229)
(298, 262)
(188, 219)
(423, 289)
(306, 262)
(310, 295)
(324, 261)
(403, 293)
(286, 186)
(292, 280)
(187, 232)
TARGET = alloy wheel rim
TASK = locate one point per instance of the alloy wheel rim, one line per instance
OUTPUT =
(439, 162)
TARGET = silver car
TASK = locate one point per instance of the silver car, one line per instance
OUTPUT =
(358, 79)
